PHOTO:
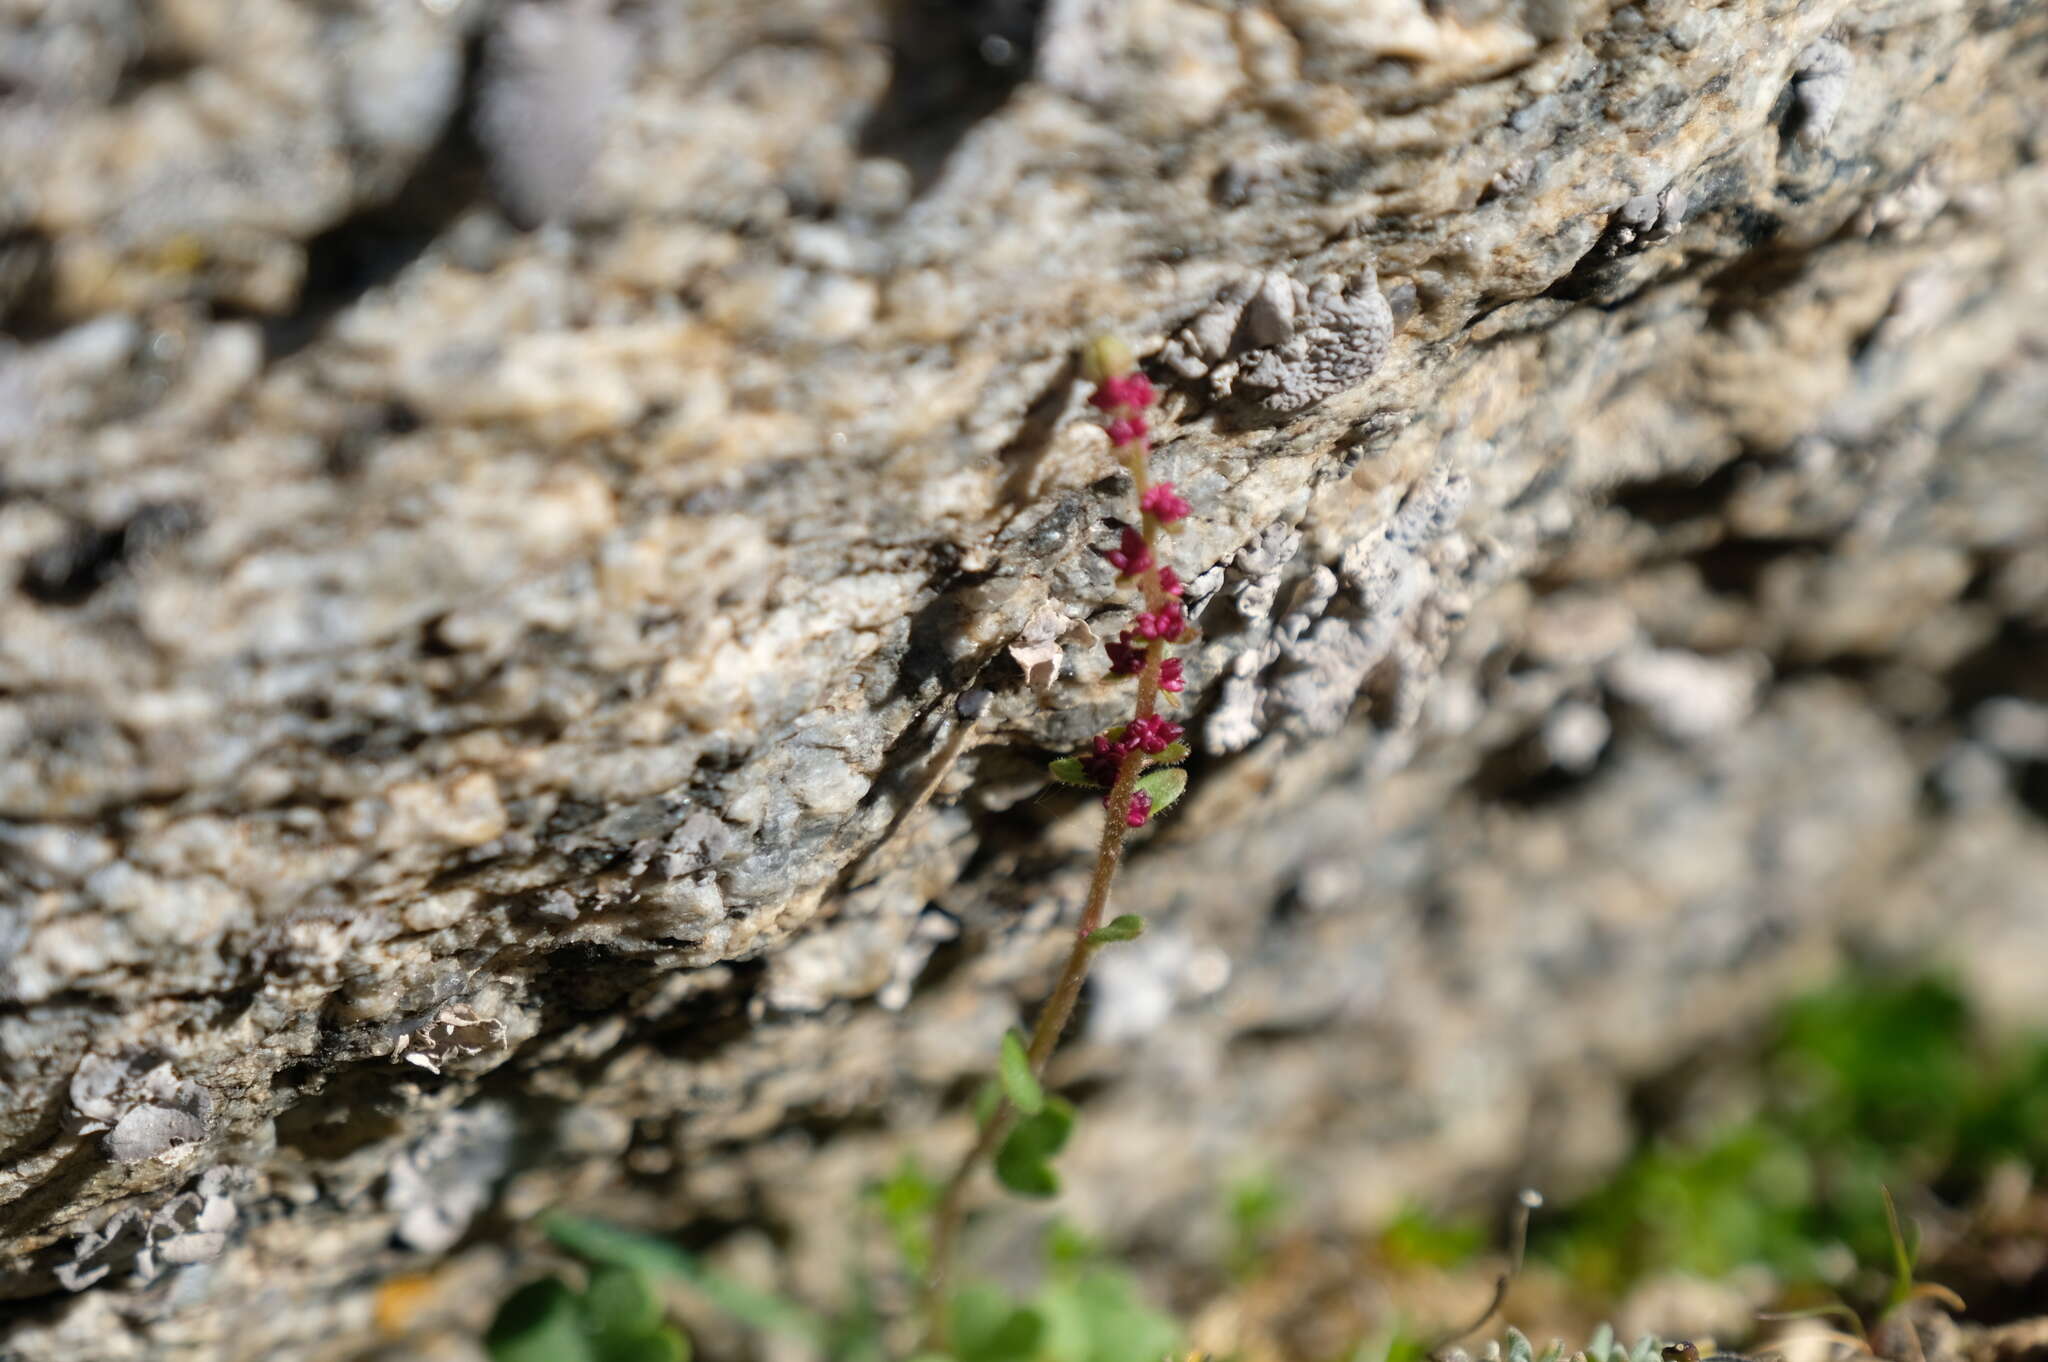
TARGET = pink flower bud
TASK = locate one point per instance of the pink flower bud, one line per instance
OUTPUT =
(1169, 621)
(1153, 733)
(1125, 658)
(1132, 390)
(1132, 556)
(1161, 501)
(1107, 759)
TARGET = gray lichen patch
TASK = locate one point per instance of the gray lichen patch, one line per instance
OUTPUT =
(1341, 622)
(1820, 85)
(1644, 221)
(554, 75)
(146, 1110)
(190, 1227)
(437, 1186)
(455, 1032)
(1279, 346)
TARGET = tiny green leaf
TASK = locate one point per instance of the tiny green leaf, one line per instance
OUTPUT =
(1021, 1163)
(988, 1099)
(539, 1322)
(1164, 785)
(664, 1345)
(1020, 1085)
(907, 1193)
(1068, 771)
(1902, 1254)
(906, 1199)
(1097, 1314)
(1024, 1175)
(597, 1242)
(1052, 1126)
(619, 1304)
(1129, 927)
(1174, 755)
(989, 1327)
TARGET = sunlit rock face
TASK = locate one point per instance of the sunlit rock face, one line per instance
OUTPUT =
(493, 546)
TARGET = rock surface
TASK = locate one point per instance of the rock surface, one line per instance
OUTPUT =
(461, 687)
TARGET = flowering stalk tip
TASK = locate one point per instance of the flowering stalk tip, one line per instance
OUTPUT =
(1118, 760)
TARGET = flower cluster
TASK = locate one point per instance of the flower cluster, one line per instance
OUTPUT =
(1119, 761)
(1152, 734)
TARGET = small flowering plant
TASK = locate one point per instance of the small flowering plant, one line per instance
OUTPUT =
(1020, 1126)
(1136, 765)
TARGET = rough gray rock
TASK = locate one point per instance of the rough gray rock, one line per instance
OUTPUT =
(1283, 346)
(545, 646)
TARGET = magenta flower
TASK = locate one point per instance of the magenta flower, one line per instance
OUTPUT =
(1153, 733)
(1127, 430)
(1169, 581)
(1162, 501)
(1168, 622)
(1132, 390)
(1132, 556)
(1140, 810)
(1170, 678)
(1126, 658)
(1106, 758)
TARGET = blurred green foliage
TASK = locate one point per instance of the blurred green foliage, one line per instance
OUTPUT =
(1254, 1207)
(1085, 1309)
(1877, 1081)
(616, 1317)
(1415, 1238)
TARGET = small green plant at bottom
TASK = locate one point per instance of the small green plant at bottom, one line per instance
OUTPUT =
(616, 1317)
(1084, 1310)
(1416, 1238)
(1873, 1081)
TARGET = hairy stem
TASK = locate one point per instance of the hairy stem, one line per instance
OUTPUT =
(1052, 1018)
(1066, 993)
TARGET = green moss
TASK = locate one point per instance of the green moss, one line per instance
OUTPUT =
(1876, 1081)
(1415, 1238)
(1255, 1205)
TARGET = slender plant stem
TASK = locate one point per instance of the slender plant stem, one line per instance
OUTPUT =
(1052, 1018)
(1066, 993)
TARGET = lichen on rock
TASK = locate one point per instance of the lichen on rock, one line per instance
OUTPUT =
(144, 1108)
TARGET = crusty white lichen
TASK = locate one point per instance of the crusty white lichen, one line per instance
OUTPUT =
(1644, 221)
(140, 1102)
(1041, 644)
(1386, 602)
(191, 1227)
(1820, 84)
(453, 1032)
(438, 1185)
(553, 72)
(1279, 346)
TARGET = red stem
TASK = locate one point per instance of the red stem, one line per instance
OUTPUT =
(1066, 993)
